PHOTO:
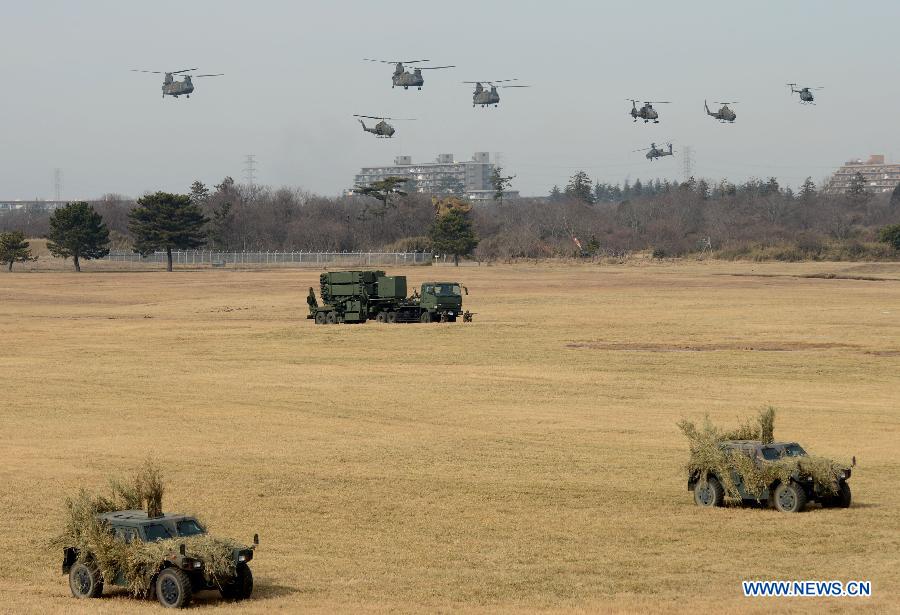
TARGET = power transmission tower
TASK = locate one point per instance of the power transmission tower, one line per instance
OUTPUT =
(250, 169)
(57, 183)
(687, 160)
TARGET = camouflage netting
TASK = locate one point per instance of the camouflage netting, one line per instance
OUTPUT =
(708, 456)
(138, 561)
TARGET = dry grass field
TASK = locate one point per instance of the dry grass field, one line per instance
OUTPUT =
(527, 461)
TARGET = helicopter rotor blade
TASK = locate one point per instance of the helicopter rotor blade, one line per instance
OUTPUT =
(733, 102)
(183, 70)
(383, 117)
(513, 86)
(436, 67)
(156, 72)
(657, 102)
(395, 61)
(214, 75)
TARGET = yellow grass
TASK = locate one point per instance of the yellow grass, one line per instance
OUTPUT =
(527, 461)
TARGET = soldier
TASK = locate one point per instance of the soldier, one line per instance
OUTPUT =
(311, 300)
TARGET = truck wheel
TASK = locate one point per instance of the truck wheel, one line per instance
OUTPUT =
(331, 318)
(392, 317)
(241, 586)
(790, 497)
(425, 317)
(839, 500)
(173, 588)
(85, 580)
(382, 317)
(709, 493)
(320, 318)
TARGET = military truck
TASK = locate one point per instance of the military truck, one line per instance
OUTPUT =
(180, 570)
(779, 474)
(358, 296)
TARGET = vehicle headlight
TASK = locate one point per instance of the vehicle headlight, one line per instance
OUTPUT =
(242, 558)
(198, 564)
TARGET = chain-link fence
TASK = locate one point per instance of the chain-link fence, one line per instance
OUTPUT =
(208, 258)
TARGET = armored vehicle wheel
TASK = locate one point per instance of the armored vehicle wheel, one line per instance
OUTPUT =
(789, 497)
(173, 588)
(709, 493)
(425, 317)
(841, 499)
(85, 580)
(392, 317)
(331, 318)
(382, 317)
(320, 318)
(242, 585)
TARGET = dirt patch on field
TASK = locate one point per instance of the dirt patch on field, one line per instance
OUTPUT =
(726, 346)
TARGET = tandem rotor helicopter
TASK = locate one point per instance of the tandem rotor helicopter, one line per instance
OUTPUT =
(724, 114)
(173, 88)
(485, 98)
(654, 152)
(405, 79)
(806, 95)
(382, 129)
(647, 112)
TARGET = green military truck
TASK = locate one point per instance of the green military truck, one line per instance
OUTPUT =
(358, 296)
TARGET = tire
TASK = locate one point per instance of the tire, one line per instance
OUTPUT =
(85, 580)
(789, 497)
(382, 317)
(425, 317)
(320, 318)
(173, 588)
(392, 317)
(331, 318)
(241, 587)
(841, 499)
(709, 493)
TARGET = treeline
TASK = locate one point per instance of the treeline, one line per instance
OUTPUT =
(753, 219)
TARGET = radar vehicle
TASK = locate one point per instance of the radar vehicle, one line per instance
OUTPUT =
(647, 112)
(654, 152)
(405, 79)
(724, 114)
(382, 129)
(483, 97)
(173, 88)
(359, 296)
(180, 572)
(788, 482)
(806, 93)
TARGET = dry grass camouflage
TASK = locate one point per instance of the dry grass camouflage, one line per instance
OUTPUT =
(708, 456)
(138, 561)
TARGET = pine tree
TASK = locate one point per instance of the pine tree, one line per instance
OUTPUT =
(199, 193)
(858, 190)
(555, 194)
(579, 187)
(452, 233)
(808, 190)
(500, 183)
(78, 231)
(14, 249)
(895, 198)
(891, 235)
(165, 221)
(381, 191)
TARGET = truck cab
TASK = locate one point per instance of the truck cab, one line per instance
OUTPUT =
(442, 299)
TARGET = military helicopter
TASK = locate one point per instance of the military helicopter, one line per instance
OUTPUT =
(403, 77)
(806, 95)
(654, 152)
(174, 88)
(486, 98)
(382, 129)
(724, 114)
(647, 112)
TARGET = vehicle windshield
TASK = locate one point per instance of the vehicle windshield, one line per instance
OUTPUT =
(794, 450)
(770, 453)
(447, 290)
(189, 527)
(156, 532)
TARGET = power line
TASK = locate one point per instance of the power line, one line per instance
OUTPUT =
(250, 169)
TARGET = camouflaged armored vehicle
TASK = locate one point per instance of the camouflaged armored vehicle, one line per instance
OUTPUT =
(779, 474)
(168, 557)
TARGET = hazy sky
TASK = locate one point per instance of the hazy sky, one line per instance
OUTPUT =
(294, 77)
